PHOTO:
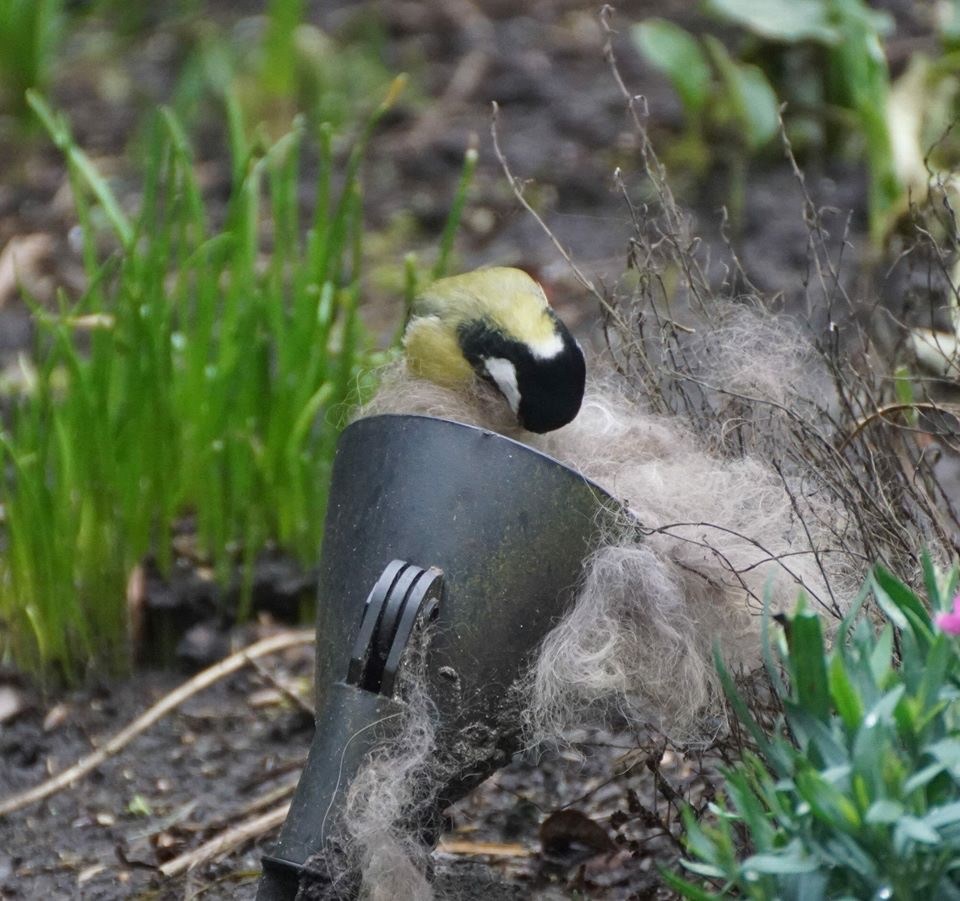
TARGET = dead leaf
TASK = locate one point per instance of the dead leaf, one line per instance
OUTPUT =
(56, 717)
(136, 600)
(88, 874)
(12, 702)
(570, 833)
(166, 846)
(22, 261)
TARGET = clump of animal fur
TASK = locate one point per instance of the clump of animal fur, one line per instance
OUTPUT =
(378, 851)
(705, 537)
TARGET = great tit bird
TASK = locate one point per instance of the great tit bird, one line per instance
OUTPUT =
(496, 324)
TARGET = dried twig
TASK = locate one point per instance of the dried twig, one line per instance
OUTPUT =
(227, 841)
(881, 414)
(198, 683)
(517, 187)
(282, 688)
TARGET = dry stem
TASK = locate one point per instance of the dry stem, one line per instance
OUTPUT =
(165, 705)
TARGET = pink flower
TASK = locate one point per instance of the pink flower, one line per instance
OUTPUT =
(950, 622)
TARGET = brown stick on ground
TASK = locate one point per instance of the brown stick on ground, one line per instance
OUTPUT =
(227, 841)
(166, 704)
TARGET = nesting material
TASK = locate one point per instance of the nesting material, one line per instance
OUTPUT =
(384, 844)
(707, 533)
(378, 850)
(705, 538)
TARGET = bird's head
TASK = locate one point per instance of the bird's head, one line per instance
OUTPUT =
(496, 324)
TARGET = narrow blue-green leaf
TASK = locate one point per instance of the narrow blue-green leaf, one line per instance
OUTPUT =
(844, 696)
(741, 709)
(684, 888)
(881, 656)
(916, 830)
(808, 664)
(828, 803)
(944, 815)
(905, 600)
(930, 582)
(922, 777)
(790, 860)
(883, 812)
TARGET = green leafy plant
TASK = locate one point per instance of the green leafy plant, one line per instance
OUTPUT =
(856, 794)
(716, 90)
(847, 74)
(730, 108)
(206, 371)
(29, 32)
(279, 66)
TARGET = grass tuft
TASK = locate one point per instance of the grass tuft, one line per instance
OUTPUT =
(205, 373)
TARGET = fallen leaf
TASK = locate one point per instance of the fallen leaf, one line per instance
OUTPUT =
(21, 261)
(56, 717)
(571, 833)
(12, 702)
(88, 874)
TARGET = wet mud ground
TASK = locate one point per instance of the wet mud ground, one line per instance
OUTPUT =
(562, 125)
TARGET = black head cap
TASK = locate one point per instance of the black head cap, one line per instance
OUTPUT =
(551, 390)
(550, 387)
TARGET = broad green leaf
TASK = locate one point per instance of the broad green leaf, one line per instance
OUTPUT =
(789, 21)
(677, 54)
(753, 102)
(761, 108)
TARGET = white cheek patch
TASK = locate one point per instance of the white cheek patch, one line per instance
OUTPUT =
(547, 348)
(504, 376)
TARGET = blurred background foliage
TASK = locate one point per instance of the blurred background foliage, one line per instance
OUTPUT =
(197, 379)
(827, 61)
